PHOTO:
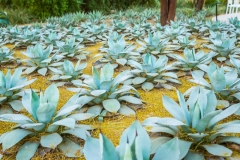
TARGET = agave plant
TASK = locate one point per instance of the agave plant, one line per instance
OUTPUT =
(225, 85)
(11, 34)
(115, 37)
(5, 55)
(185, 42)
(152, 71)
(193, 24)
(235, 22)
(68, 73)
(193, 129)
(214, 26)
(224, 47)
(119, 25)
(96, 32)
(40, 60)
(155, 43)
(45, 123)
(72, 49)
(118, 53)
(52, 38)
(148, 13)
(176, 30)
(11, 89)
(104, 92)
(28, 37)
(135, 32)
(130, 146)
(95, 17)
(192, 60)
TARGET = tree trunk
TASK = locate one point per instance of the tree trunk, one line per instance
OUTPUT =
(199, 5)
(168, 10)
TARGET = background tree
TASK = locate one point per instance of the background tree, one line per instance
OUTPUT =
(168, 10)
(198, 4)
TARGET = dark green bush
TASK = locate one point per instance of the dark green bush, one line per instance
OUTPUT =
(44, 8)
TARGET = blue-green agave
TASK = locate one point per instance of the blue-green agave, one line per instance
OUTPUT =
(185, 42)
(105, 93)
(225, 85)
(155, 43)
(5, 55)
(40, 59)
(67, 73)
(191, 60)
(71, 49)
(194, 128)
(11, 89)
(152, 71)
(48, 125)
(131, 145)
(118, 53)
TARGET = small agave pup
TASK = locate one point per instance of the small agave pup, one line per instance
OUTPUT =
(118, 53)
(193, 129)
(40, 59)
(152, 71)
(134, 144)
(11, 88)
(5, 55)
(104, 92)
(191, 60)
(69, 73)
(225, 85)
(45, 124)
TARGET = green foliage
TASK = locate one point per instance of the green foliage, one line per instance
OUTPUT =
(46, 8)
(4, 20)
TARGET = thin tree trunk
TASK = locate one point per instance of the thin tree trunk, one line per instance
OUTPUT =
(199, 5)
(164, 12)
(172, 4)
(168, 10)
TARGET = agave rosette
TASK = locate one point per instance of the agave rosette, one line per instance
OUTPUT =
(11, 34)
(11, 88)
(152, 72)
(51, 38)
(119, 25)
(194, 127)
(155, 44)
(118, 53)
(185, 42)
(192, 60)
(130, 146)
(5, 55)
(223, 45)
(103, 92)
(225, 85)
(72, 49)
(47, 124)
(175, 30)
(67, 73)
(28, 37)
(40, 59)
